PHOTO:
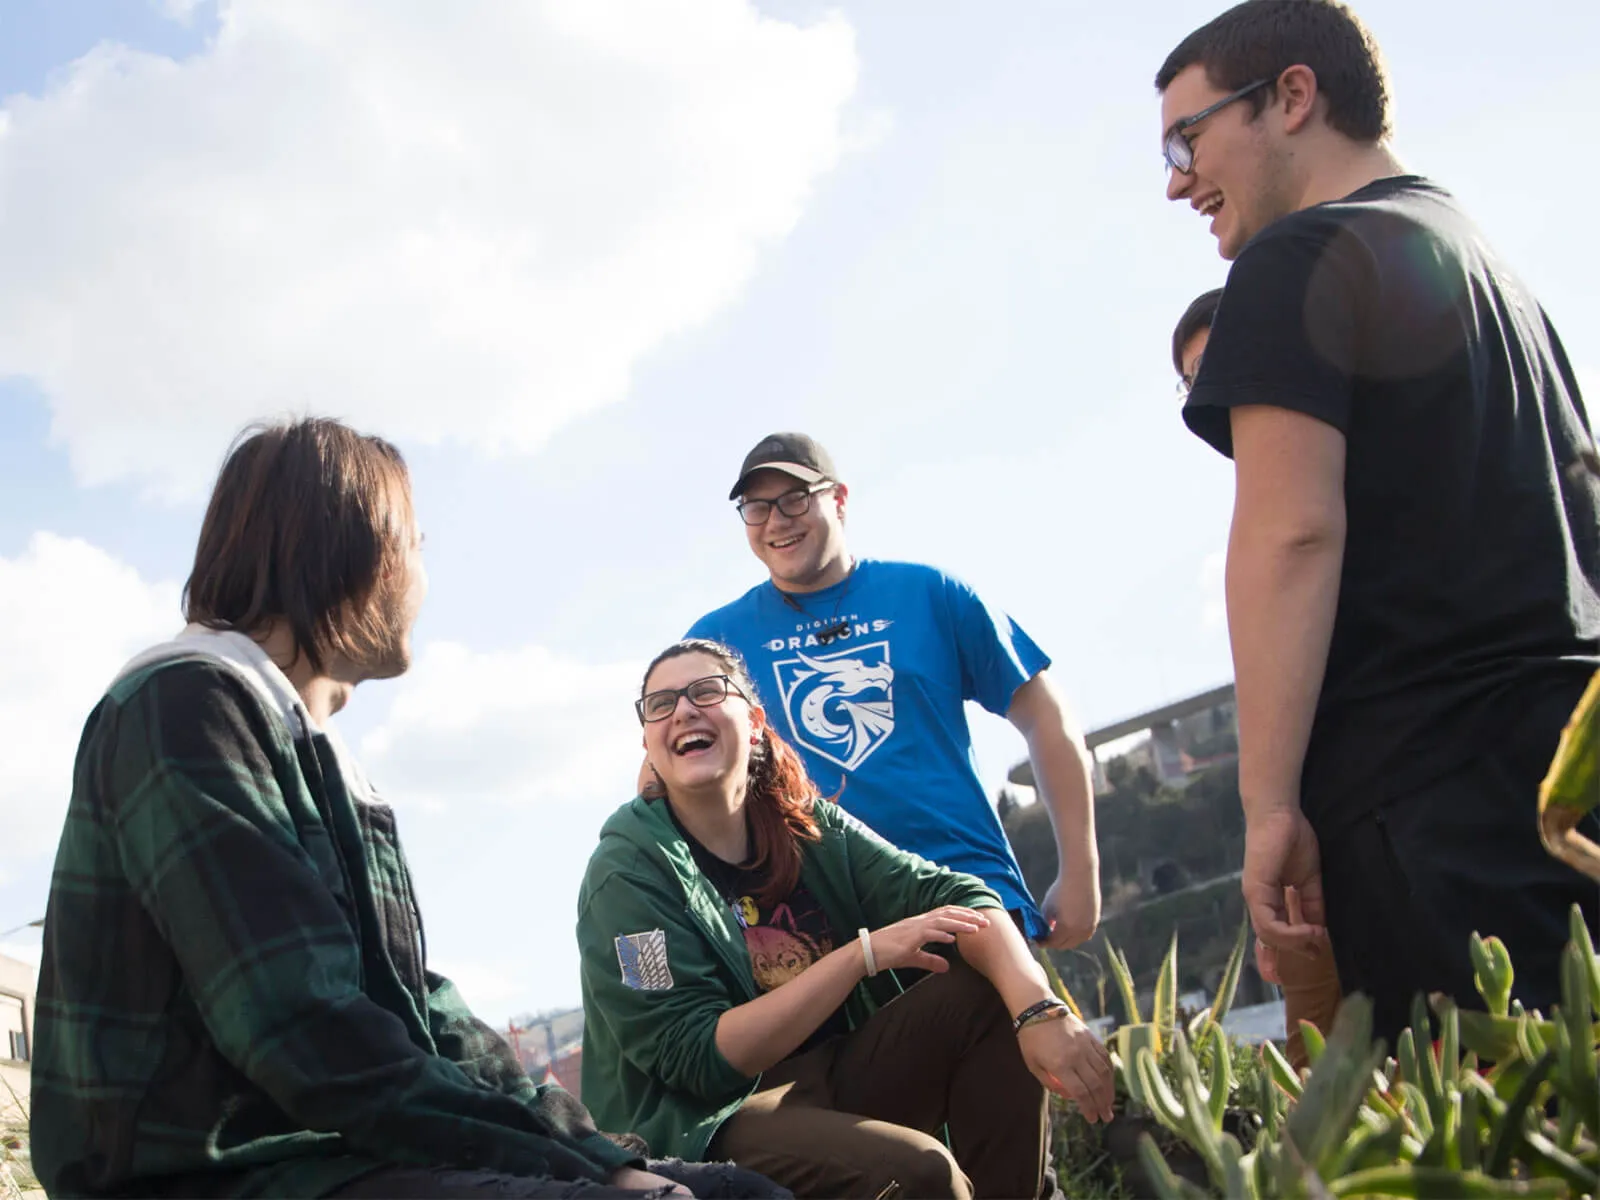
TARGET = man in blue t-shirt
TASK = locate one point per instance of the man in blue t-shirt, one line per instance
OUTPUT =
(865, 665)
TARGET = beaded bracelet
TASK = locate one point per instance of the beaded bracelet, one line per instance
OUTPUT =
(1034, 1011)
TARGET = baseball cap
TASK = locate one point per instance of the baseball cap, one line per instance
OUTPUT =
(792, 453)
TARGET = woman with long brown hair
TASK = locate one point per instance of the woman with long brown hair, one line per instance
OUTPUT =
(740, 937)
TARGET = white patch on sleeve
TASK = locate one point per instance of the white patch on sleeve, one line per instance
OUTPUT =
(643, 957)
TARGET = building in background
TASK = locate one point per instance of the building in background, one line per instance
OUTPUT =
(18, 981)
(550, 1047)
(1172, 742)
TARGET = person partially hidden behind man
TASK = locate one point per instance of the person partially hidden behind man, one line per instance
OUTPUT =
(234, 996)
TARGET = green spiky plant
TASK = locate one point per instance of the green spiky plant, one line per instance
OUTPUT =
(1432, 1121)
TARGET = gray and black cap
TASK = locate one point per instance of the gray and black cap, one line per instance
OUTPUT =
(792, 453)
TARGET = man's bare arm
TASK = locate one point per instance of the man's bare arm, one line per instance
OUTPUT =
(1062, 777)
(1285, 554)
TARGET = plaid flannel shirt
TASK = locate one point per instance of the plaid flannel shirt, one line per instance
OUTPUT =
(233, 996)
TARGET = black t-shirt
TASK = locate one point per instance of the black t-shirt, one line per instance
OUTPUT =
(783, 938)
(1469, 603)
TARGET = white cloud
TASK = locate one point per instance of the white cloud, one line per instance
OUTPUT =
(502, 767)
(70, 615)
(462, 221)
(522, 728)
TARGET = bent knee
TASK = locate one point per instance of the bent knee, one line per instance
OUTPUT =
(922, 1166)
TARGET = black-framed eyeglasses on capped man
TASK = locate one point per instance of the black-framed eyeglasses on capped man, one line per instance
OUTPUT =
(1176, 147)
(791, 504)
(706, 692)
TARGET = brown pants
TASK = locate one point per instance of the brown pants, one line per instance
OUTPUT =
(861, 1112)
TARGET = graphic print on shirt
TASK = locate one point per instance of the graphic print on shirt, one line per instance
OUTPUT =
(791, 938)
(839, 705)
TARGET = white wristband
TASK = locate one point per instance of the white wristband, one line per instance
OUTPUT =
(866, 950)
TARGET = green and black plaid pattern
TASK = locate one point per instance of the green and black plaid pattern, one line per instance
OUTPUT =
(234, 996)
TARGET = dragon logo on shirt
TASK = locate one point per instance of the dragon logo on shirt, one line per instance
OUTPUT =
(839, 705)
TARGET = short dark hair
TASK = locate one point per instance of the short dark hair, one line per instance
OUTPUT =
(1201, 312)
(308, 523)
(1260, 39)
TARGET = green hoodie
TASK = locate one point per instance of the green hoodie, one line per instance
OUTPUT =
(650, 1057)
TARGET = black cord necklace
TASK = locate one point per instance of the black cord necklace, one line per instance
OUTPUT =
(835, 627)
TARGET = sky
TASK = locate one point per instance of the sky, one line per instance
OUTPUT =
(576, 257)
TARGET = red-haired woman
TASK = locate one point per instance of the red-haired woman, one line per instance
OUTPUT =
(738, 939)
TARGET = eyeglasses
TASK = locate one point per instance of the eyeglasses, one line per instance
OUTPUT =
(1186, 382)
(1177, 149)
(703, 693)
(791, 504)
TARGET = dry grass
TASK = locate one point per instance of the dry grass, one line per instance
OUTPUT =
(16, 1168)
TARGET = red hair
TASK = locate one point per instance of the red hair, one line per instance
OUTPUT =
(780, 798)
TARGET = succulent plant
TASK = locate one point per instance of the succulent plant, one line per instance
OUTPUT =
(1501, 1103)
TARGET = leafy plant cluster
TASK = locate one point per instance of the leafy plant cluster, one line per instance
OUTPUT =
(1502, 1102)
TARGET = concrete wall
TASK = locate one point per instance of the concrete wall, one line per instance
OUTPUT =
(17, 979)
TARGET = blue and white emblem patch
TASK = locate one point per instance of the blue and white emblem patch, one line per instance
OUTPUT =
(840, 705)
(643, 957)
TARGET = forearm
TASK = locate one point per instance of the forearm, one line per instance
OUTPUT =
(1001, 955)
(1066, 789)
(761, 1033)
(1282, 592)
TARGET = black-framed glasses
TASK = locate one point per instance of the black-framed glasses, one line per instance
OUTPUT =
(706, 692)
(791, 504)
(1186, 382)
(1176, 147)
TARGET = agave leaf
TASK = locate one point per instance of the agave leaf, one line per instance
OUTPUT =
(1167, 1185)
(1449, 1042)
(1314, 1042)
(1163, 1105)
(1416, 1108)
(1506, 1136)
(1230, 974)
(1406, 1051)
(1200, 1135)
(1221, 1081)
(1492, 1038)
(1580, 939)
(1471, 1138)
(1057, 984)
(1369, 1146)
(1334, 1092)
(1492, 973)
(1130, 1040)
(1572, 787)
(1545, 1158)
(1124, 978)
(1238, 1173)
(1577, 1080)
(1164, 1007)
(1280, 1071)
(1434, 1181)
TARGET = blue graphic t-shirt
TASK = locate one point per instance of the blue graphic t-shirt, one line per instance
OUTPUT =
(867, 679)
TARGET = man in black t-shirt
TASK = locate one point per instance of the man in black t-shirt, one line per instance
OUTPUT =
(1413, 569)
